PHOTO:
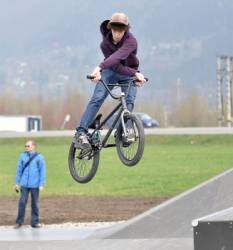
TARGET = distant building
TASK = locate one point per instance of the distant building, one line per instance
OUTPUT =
(21, 123)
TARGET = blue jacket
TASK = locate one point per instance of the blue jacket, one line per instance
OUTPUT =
(33, 175)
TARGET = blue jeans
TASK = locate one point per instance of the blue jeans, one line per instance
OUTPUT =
(34, 205)
(100, 93)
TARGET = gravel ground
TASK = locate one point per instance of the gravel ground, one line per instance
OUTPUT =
(79, 211)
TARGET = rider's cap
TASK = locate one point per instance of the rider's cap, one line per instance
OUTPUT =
(119, 18)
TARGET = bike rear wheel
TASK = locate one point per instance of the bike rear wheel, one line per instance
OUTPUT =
(83, 165)
(130, 149)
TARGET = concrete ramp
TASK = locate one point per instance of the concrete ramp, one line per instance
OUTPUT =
(172, 219)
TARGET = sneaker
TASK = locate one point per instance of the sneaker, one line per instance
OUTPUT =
(36, 225)
(81, 141)
(17, 226)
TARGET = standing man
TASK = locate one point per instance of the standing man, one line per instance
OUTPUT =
(119, 48)
(30, 178)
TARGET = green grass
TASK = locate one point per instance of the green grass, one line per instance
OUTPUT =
(170, 165)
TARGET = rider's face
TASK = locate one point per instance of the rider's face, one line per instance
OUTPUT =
(117, 34)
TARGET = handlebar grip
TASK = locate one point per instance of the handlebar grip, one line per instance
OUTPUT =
(90, 77)
(136, 80)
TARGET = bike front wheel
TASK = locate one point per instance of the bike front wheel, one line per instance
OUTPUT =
(83, 164)
(130, 147)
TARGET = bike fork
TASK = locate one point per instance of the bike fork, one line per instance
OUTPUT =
(124, 111)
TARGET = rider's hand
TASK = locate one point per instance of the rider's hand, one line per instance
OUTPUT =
(97, 74)
(41, 188)
(140, 79)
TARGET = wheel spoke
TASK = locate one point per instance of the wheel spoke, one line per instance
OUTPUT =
(130, 150)
(83, 165)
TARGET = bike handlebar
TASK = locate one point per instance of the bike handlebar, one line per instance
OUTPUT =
(133, 80)
(90, 77)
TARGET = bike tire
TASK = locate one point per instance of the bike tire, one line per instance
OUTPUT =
(82, 170)
(127, 154)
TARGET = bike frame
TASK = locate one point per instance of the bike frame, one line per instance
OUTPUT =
(122, 107)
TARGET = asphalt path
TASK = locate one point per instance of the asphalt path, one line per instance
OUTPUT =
(148, 131)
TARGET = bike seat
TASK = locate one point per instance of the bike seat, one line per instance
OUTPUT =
(96, 122)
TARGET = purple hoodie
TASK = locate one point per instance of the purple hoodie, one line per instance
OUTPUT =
(121, 57)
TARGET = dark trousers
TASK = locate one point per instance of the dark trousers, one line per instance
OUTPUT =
(34, 205)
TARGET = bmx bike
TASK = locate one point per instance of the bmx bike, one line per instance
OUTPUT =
(128, 135)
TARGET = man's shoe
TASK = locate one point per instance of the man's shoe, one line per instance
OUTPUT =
(81, 141)
(36, 225)
(17, 226)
